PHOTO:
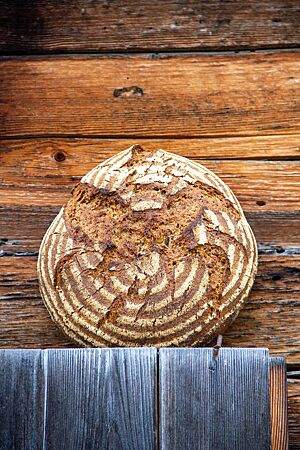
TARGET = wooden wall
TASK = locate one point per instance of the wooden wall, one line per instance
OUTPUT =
(215, 81)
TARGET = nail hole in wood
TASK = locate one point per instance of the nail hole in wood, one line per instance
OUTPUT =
(260, 202)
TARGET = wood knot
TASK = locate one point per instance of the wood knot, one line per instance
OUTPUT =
(59, 156)
(132, 91)
(260, 203)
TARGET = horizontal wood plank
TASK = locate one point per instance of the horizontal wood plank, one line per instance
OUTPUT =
(80, 26)
(258, 185)
(23, 227)
(187, 95)
(45, 153)
(24, 320)
(269, 319)
(42, 171)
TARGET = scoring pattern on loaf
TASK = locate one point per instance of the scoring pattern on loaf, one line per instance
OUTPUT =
(151, 249)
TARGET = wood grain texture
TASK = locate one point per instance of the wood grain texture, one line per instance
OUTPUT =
(294, 413)
(79, 26)
(67, 399)
(23, 227)
(167, 96)
(269, 318)
(197, 393)
(101, 399)
(278, 395)
(276, 184)
(187, 95)
(21, 399)
(123, 398)
(24, 320)
(268, 307)
(58, 153)
(42, 171)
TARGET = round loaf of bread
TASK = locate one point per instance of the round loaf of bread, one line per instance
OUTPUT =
(151, 249)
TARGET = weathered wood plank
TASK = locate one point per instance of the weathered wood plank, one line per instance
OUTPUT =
(269, 319)
(72, 397)
(187, 95)
(101, 399)
(50, 153)
(197, 394)
(31, 175)
(138, 25)
(24, 320)
(268, 310)
(278, 396)
(23, 227)
(259, 185)
(21, 399)
(294, 413)
(65, 399)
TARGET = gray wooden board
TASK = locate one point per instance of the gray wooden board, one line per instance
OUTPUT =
(78, 399)
(107, 399)
(101, 399)
(209, 404)
(21, 399)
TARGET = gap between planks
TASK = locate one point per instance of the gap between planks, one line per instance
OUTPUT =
(150, 53)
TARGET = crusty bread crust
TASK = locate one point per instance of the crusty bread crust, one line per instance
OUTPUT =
(151, 249)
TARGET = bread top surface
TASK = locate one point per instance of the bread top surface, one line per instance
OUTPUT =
(151, 249)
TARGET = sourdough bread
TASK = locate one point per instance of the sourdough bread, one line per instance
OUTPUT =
(151, 249)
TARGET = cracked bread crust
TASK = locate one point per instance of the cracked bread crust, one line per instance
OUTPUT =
(151, 249)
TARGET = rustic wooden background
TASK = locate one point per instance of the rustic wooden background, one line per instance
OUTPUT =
(216, 81)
